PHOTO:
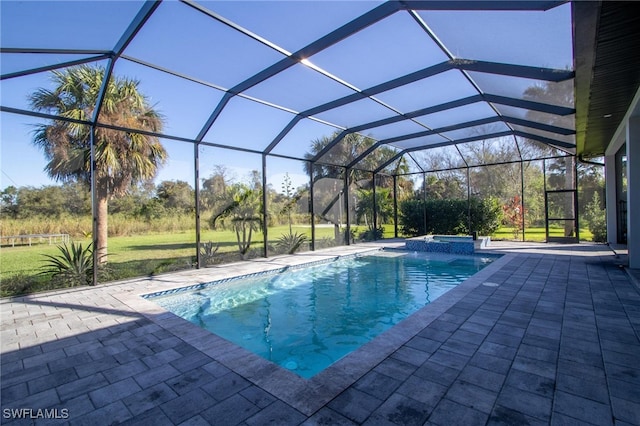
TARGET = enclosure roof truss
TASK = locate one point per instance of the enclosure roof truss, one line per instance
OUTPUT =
(405, 75)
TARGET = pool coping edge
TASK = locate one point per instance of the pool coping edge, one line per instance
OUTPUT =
(308, 395)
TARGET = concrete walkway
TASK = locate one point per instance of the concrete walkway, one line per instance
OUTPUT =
(547, 334)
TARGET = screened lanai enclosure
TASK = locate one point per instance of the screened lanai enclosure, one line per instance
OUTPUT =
(180, 134)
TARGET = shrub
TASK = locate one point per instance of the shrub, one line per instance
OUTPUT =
(449, 216)
(325, 242)
(372, 234)
(74, 265)
(514, 215)
(290, 243)
(208, 252)
(22, 283)
(595, 219)
(16, 285)
(411, 217)
(486, 215)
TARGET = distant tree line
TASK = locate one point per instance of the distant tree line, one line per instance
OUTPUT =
(148, 202)
(145, 201)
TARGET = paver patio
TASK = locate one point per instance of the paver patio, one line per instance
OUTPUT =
(547, 334)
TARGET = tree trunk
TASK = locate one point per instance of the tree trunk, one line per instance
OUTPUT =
(102, 210)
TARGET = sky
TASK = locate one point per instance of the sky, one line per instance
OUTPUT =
(179, 38)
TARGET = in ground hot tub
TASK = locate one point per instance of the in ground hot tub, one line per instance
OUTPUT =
(455, 244)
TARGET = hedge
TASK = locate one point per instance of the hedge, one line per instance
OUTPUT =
(450, 217)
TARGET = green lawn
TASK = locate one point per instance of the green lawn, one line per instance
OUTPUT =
(159, 246)
(536, 234)
(143, 255)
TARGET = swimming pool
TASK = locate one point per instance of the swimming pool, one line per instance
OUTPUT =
(305, 319)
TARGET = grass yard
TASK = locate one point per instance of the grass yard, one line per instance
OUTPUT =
(142, 255)
(536, 234)
(131, 256)
(156, 246)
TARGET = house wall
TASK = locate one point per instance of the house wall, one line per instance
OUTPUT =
(628, 133)
(633, 191)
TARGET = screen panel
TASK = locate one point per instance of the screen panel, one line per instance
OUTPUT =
(288, 206)
(490, 151)
(439, 158)
(381, 155)
(400, 128)
(548, 135)
(272, 19)
(299, 88)
(355, 113)
(306, 139)
(197, 51)
(183, 105)
(16, 62)
(231, 193)
(39, 210)
(247, 124)
(434, 90)
(422, 141)
(386, 43)
(533, 200)
(535, 38)
(17, 92)
(560, 94)
(22, 23)
(329, 206)
(533, 150)
(347, 150)
(477, 131)
(462, 114)
(564, 121)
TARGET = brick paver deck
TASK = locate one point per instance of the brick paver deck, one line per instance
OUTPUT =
(546, 335)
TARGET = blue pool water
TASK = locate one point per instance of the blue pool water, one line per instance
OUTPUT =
(308, 318)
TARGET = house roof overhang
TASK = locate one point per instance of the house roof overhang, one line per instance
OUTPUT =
(607, 64)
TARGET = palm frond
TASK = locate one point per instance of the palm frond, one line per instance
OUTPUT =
(231, 207)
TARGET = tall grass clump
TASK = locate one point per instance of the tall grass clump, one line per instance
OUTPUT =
(75, 226)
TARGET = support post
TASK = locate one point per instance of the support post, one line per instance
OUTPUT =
(633, 191)
(611, 199)
(94, 204)
(469, 203)
(265, 250)
(522, 198)
(424, 198)
(312, 209)
(395, 206)
(546, 209)
(375, 204)
(576, 210)
(346, 206)
(196, 174)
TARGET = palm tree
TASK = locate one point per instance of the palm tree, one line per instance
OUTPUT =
(121, 158)
(241, 215)
(331, 165)
(349, 148)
